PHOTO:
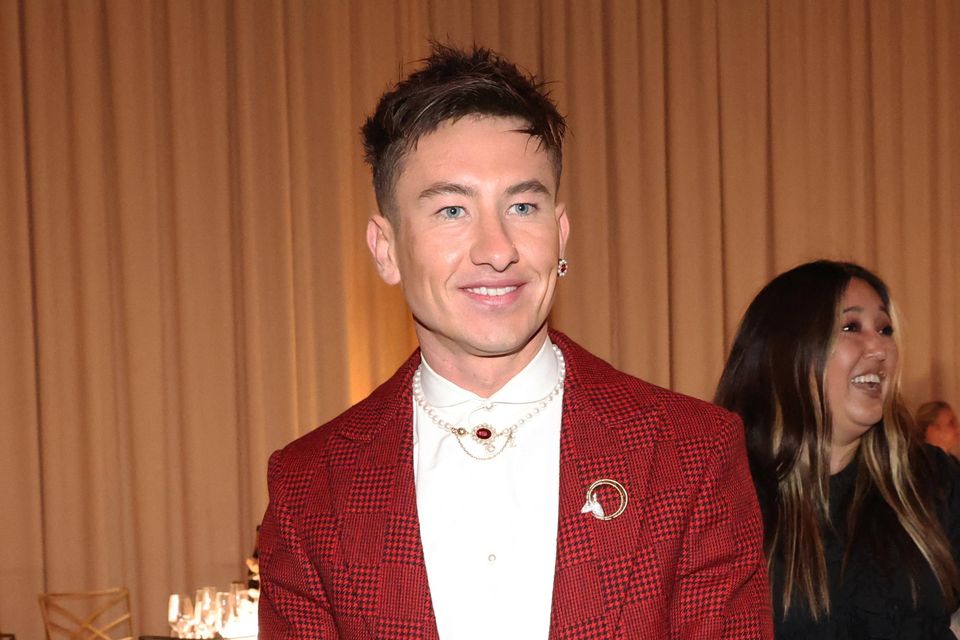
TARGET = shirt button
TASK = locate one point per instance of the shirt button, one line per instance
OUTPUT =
(492, 558)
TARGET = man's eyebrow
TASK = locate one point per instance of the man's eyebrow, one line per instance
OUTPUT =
(447, 188)
(859, 309)
(528, 186)
(454, 188)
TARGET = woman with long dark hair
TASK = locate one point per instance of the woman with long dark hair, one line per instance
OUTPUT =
(861, 520)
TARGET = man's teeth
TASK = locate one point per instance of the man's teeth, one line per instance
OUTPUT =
(492, 291)
(866, 378)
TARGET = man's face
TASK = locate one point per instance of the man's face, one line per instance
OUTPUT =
(474, 238)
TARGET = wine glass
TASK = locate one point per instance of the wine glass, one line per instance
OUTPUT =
(228, 610)
(241, 598)
(180, 614)
(205, 612)
(227, 606)
(173, 612)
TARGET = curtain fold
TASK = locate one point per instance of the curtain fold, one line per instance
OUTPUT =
(185, 285)
(22, 525)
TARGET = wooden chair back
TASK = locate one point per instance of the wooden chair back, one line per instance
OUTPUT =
(87, 615)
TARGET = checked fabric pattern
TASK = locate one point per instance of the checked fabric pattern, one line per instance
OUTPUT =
(340, 551)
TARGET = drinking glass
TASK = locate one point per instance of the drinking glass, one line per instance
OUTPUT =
(180, 615)
(206, 612)
(173, 611)
(225, 604)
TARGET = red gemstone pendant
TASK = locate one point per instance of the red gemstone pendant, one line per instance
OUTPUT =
(483, 433)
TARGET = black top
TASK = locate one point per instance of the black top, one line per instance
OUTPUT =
(871, 599)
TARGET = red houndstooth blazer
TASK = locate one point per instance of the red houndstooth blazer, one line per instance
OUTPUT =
(340, 551)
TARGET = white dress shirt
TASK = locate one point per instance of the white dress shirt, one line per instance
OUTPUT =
(489, 527)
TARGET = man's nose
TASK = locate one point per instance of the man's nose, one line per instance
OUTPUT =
(493, 243)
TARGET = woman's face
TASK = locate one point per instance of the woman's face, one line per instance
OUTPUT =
(861, 367)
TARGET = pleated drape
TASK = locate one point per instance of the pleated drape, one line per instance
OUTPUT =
(183, 279)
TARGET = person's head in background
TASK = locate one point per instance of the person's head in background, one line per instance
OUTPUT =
(938, 424)
(814, 373)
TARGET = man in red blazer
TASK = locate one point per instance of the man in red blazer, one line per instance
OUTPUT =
(504, 482)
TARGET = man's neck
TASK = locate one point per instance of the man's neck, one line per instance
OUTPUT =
(480, 374)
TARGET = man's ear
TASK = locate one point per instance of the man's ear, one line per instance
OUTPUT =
(380, 241)
(563, 227)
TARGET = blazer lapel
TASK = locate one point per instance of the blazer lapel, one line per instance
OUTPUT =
(381, 516)
(596, 559)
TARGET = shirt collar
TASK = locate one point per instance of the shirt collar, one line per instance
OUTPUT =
(531, 383)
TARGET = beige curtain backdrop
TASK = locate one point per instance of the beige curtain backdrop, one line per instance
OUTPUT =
(184, 285)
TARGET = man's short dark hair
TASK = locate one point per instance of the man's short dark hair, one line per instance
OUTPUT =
(453, 84)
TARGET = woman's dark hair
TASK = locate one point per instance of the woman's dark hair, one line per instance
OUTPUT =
(774, 379)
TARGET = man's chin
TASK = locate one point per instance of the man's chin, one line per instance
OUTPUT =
(490, 346)
(503, 345)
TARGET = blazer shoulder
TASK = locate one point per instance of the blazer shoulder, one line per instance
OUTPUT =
(359, 423)
(693, 418)
(624, 401)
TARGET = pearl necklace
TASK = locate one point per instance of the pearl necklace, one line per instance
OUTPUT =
(484, 434)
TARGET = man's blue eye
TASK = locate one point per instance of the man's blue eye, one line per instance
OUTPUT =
(451, 212)
(524, 208)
